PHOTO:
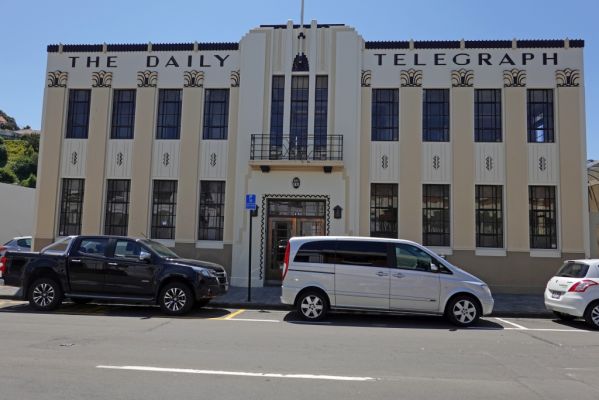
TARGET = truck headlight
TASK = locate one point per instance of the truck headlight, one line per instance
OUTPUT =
(207, 273)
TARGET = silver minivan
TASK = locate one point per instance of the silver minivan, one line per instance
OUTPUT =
(323, 273)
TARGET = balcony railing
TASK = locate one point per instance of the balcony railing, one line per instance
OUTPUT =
(301, 148)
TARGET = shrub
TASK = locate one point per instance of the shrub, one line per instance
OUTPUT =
(7, 176)
(24, 166)
(29, 182)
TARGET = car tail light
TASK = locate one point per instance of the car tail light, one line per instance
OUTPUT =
(581, 286)
(286, 260)
(2, 265)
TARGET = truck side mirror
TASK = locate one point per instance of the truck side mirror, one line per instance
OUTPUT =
(144, 256)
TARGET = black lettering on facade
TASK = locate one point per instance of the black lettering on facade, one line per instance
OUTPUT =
(73, 61)
(189, 59)
(440, 59)
(546, 58)
(507, 60)
(202, 62)
(152, 61)
(484, 58)
(416, 60)
(111, 62)
(95, 61)
(526, 57)
(221, 59)
(398, 59)
(464, 59)
(380, 58)
(172, 62)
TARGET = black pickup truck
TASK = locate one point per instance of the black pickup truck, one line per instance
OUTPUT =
(85, 268)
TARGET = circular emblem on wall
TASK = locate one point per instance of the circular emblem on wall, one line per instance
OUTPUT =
(295, 182)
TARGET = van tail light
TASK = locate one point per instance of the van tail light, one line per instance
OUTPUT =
(2, 265)
(581, 286)
(286, 260)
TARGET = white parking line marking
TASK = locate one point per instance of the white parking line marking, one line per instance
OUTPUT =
(236, 373)
(512, 323)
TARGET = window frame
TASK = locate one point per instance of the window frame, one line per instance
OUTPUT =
(497, 225)
(78, 108)
(429, 133)
(171, 207)
(547, 134)
(299, 114)
(387, 131)
(118, 113)
(219, 206)
(378, 210)
(277, 115)
(535, 213)
(215, 121)
(109, 227)
(445, 210)
(481, 132)
(166, 130)
(64, 228)
(321, 116)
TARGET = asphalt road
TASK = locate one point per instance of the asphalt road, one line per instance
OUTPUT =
(127, 352)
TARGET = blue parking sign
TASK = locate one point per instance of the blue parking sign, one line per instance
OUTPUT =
(250, 201)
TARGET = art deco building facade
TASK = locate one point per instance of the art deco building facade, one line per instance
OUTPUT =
(474, 148)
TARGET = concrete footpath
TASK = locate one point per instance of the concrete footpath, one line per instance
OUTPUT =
(506, 305)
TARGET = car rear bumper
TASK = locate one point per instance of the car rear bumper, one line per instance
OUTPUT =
(288, 295)
(569, 303)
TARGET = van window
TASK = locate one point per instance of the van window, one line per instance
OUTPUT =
(366, 253)
(573, 270)
(319, 251)
(411, 257)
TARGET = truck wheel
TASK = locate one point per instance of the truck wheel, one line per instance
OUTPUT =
(176, 298)
(591, 315)
(312, 306)
(462, 311)
(45, 294)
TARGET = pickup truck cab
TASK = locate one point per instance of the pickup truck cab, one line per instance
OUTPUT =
(84, 268)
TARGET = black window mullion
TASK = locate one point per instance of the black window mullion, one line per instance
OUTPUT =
(216, 114)
(212, 210)
(540, 116)
(489, 216)
(435, 215)
(385, 124)
(164, 207)
(71, 205)
(383, 210)
(78, 114)
(435, 115)
(123, 108)
(117, 207)
(543, 217)
(169, 114)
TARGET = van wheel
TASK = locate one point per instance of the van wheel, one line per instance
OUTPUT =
(176, 298)
(591, 315)
(564, 317)
(463, 311)
(45, 294)
(312, 306)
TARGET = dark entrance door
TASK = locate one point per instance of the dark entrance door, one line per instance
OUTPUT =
(286, 219)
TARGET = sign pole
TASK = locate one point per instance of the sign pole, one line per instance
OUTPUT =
(250, 261)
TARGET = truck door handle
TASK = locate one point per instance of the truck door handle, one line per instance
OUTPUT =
(76, 260)
(113, 263)
(398, 275)
(381, 273)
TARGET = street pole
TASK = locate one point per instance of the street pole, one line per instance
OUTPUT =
(250, 261)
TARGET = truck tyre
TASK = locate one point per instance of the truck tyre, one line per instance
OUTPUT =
(176, 298)
(45, 294)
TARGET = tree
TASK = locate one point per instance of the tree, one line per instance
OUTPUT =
(33, 140)
(29, 182)
(7, 176)
(24, 166)
(3, 155)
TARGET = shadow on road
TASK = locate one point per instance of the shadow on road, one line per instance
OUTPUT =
(395, 321)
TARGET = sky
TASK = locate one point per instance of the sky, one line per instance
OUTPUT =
(29, 26)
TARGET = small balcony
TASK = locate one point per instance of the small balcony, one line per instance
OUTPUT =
(293, 150)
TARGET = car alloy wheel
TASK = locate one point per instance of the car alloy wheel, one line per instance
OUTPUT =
(595, 315)
(463, 311)
(591, 315)
(312, 306)
(43, 294)
(175, 299)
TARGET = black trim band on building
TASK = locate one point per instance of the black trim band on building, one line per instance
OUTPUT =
(473, 44)
(297, 26)
(94, 48)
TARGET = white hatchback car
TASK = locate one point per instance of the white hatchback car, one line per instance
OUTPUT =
(574, 291)
(376, 274)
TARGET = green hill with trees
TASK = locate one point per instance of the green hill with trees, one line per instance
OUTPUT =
(18, 157)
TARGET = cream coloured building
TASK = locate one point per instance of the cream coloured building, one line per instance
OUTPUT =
(473, 148)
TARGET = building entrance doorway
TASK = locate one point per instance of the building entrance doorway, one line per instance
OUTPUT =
(286, 219)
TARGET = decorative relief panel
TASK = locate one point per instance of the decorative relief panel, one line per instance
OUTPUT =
(384, 161)
(73, 158)
(543, 164)
(567, 77)
(193, 78)
(411, 78)
(235, 78)
(366, 77)
(436, 162)
(514, 78)
(147, 78)
(489, 163)
(462, 78)
(165, 160)
(57, 78)
(118, 158)
(214, 158)
(101, 79)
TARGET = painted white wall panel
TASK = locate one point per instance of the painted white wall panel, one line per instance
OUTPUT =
(490, 163)
(384, 162)
(436, 162)
(214, 155)
(118, 158)
(165, 159)
(543, 164)
(73, 159)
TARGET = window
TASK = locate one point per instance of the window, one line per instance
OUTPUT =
(277, 103)
(487, 115)
(169, 114)
(123, 114)
(71, 205)
(216, 114)
(385, 115)
(298, 138)
(116, 218)
(571, 269)
(543, 217)
(362, 253)
(489, 216)
(383, 210)
(93, 246)
(24, 242)
(78, 114)
(212, 210)
(540, 116)
(164, 208)
(321, 117)
(127, 249)
(435, 215)
(321, 251)
(435, 116)
(411, 257)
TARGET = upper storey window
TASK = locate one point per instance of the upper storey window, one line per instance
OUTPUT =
(435, 115)
(216, 114)
(385, 115)
(540, 116)
(169, 114)
(123, 114)
(78, 114)
(487, 115)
